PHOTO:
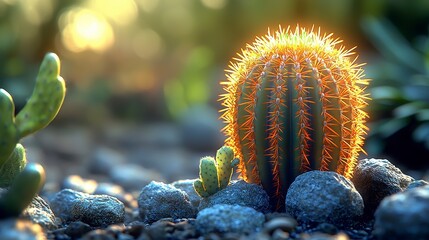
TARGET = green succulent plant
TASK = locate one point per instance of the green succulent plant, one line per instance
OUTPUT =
(24, 181)
(294, 101)
(215, 175)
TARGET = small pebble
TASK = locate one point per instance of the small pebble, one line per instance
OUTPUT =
(239, 193)
(417, 183)
(77, 229)
(21, 230)
(279, 234)
(98, 210)
(326, 228)
(159, 200)
(282, 223)
(225, 218)
(61, 203)
(188, 186)
(99, 234)
(39, 212)
(95, 210)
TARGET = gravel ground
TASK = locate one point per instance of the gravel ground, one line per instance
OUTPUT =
(86, 161)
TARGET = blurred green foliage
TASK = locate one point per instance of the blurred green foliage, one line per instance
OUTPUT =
(400, 93)
(154, 59)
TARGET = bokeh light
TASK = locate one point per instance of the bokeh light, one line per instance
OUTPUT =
(214, 4)
(147, 44)
(84, 29)
(121, 12)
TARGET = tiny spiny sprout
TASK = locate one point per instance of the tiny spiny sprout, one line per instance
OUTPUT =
(294, 102)
(215, 174)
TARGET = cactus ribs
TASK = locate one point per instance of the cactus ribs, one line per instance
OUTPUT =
(294, 102)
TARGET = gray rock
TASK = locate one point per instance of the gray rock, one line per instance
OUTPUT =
(417, 183)
(77, 183)
(62, 202)
(376, 179)
(225, 218)
(39, 212)
(239, 193)
(77, 229)
(159, 200)
(104, 160)
(133, 177)
(18, 229)
(98, 210)
(404, 215)
(118, 192)
(187, 185)
(322, 196)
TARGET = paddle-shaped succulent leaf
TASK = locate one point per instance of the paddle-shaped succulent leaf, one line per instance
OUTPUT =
(23, 189)
(46, 100)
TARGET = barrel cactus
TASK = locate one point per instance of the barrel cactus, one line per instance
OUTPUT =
(293, 102)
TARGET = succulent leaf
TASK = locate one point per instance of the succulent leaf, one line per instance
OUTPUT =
(8, 131)
(209, 175)
(46, 100)
(23, 189)
(224, 157)
(199, 188)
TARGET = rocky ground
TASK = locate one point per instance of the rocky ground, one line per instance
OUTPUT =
(129, 182)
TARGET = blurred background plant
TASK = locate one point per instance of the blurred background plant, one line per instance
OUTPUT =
(400, 93)
(145, 61)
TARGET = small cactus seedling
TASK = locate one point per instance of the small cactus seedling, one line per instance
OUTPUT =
(42, 107)
(215, 174)
(294, 102)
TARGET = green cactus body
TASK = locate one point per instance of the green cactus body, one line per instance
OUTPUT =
(46, 100)
(13, 166)
(42, 107)
(199, 188)
(215, 174)
(224, 156)
(209, 175)
(23, 189)
(8, 132)
(293, 103)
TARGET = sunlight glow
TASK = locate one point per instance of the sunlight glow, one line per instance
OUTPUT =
(121, 12)
(83, 29)
(148, 5)
(214, 4)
